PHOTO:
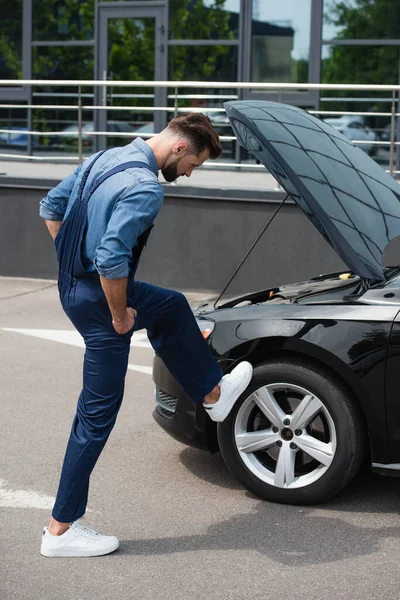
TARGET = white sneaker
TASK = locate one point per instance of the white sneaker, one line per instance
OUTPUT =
(77, 541)
(232, 386)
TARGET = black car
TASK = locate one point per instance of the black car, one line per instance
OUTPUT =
(326, 352)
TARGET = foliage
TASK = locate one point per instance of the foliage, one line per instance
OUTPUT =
(11, 40)
(377, 64)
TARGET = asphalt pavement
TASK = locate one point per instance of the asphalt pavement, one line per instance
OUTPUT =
(188, 530)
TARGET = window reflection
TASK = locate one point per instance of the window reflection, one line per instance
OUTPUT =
(356, 19)
(202, 63)
(14, 122)
(11, 40)
(361, 64)
(205, 63)
(49, 62)
(53, 20)
(281, 41)
(204, 19)
(65, 62)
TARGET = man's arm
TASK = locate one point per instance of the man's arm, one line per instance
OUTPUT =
(54, 205)
(135, 210)
(115, 290)
(53, 227)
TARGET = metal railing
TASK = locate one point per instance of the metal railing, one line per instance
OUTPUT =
(81, 107)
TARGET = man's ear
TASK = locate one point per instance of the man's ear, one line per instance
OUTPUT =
(180, 148)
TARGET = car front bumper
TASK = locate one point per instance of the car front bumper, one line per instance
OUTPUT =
(178, 415)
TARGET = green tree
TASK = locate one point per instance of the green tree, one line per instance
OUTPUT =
(131, 45)
(190, 19)
(68, 20)
(363, 19)
(11, 40)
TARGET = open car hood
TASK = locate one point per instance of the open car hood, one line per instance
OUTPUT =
(350, 199)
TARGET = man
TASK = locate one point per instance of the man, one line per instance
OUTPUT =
(100, 218)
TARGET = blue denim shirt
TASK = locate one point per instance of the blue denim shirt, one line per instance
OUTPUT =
(119, 211)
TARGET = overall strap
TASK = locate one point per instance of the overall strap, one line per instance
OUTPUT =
(117, 169)
(86, 175)
(78, 269)
(71, 232)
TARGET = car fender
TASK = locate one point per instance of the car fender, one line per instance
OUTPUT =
(359, 363)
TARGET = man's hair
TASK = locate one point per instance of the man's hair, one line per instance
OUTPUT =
(199, 132)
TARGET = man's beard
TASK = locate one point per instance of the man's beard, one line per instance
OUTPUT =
(170, 173)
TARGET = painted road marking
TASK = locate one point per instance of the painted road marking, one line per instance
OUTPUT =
(141, 369)
(74, 338)
(10, 498)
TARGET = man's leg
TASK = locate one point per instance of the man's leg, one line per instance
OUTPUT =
(176, 338)
(104, 370)
(105, 366)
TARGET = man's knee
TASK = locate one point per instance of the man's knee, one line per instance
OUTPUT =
(97, 415)
(178, 299)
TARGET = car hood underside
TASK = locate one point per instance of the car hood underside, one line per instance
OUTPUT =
(350, 199)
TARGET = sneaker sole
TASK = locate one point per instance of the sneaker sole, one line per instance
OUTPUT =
(229, 405)
(72, 553)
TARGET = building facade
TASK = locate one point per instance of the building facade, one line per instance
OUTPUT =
(299, 41)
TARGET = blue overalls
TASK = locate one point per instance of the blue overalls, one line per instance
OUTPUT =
(172, 331)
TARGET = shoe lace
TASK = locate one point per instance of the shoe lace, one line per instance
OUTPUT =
(85, 531)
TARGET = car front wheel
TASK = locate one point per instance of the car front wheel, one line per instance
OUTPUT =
(295, 436)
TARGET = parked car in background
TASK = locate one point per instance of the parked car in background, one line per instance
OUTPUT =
(88, 127)
(386, 133)
(147, 128)
(354, 128)
(324, 397)
(18, 138)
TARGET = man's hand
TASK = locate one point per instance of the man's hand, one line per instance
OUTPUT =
(124, 323)
(53, 227)
(123, 316)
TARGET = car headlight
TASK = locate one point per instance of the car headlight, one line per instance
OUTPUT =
(206, 327)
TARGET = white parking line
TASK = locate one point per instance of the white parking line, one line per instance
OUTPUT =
(10, 498)
(73, 338)
(141, 369)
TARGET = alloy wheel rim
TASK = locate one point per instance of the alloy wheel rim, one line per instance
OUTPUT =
(285, 435)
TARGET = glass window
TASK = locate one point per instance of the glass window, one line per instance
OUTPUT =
(13, 126)
(361, 64)
(49, 62)
(280, 41)
(202, 63)
(357, 19)
(130, 56)
(11, 40)
(62, 62)
(205, 63)
(54, 20)
(204, 19)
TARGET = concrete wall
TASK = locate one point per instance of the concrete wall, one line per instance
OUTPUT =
(198, 240)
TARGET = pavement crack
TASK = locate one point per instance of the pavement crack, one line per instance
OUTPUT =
(46, 287)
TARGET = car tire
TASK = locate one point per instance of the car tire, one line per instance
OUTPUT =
(287, 473)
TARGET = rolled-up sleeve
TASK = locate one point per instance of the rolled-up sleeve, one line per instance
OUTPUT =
(54, 205)
(135, 210)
